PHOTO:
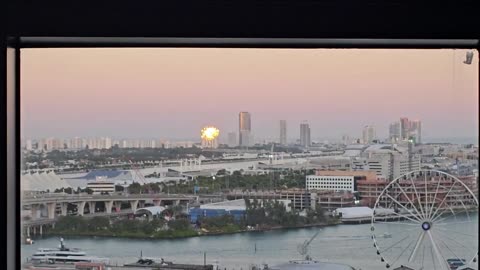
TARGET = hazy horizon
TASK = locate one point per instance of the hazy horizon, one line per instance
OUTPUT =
(174, 92)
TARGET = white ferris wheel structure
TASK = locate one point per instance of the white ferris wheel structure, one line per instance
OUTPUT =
(427, 219)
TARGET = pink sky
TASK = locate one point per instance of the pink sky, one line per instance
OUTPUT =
(166, 93)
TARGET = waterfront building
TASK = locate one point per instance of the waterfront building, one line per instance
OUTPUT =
(370, 189)
(331, 200)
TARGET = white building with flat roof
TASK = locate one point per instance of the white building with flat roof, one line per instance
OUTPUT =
(337, 180)
(336, 183)
(101, 185)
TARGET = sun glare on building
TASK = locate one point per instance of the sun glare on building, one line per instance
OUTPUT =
(209, 135)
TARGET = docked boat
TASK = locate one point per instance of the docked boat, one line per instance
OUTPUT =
(29, 241)
(63, 254)
(455, 263)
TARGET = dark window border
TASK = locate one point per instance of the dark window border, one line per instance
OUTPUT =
(123, 42)
(10, 60)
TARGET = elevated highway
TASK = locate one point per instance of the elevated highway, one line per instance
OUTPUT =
(52, 205)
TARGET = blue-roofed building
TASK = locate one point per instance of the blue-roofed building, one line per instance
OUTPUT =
(236, 208)
(119, 177)
(124, 174)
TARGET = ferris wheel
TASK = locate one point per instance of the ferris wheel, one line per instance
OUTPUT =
(427, 219)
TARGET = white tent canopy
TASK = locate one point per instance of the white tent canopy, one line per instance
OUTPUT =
(42, 182)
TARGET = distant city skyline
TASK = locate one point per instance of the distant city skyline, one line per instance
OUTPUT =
(173, 93)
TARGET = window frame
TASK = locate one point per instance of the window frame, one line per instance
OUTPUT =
(19, 36)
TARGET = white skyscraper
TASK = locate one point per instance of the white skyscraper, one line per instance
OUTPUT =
(105, 143)
(394, 132)
(305, 135)
(283, 132)
(76, 143)
(368, 134)
(416, 130)
(50, 144)
(404, 128)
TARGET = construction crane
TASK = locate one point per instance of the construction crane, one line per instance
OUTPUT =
(303, 248)
(138, 173)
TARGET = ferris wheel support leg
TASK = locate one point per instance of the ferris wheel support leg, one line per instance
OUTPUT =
(440, 258)
(419, 241)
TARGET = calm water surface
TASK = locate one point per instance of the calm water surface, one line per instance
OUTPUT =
(348, 244)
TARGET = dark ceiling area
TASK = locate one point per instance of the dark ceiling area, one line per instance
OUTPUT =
(385, 19)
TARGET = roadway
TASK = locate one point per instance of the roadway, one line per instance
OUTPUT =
(68, 198)
(45, 221)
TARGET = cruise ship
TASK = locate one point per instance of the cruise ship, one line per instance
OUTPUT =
(62, 254)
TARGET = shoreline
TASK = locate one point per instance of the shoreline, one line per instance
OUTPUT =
(273, 228)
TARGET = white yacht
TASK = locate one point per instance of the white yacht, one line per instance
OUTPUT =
(62, 254)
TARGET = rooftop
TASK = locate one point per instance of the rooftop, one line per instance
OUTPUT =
(227, 205)
(369, 174)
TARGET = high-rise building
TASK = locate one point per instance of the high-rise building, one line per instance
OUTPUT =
(411, 130)
(246, 138)
(283, 132)
(305, 135)
(388, 164)
(244, 128)
(394, 132)
(49, 144)
(76, 143)
(368, 134)
(404, 128)
(232, 139)
(416, 130)
(104, 143)
(115, 143)
(346, 139)
(28, 145)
